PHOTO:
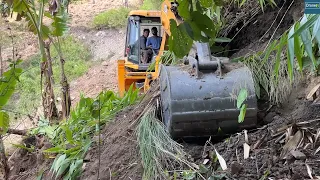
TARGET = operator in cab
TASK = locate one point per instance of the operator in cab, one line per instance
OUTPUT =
(143, 41)
(154, 42)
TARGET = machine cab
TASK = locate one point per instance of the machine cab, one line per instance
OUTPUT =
(136, 48)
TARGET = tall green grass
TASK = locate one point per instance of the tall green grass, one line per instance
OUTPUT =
(151, 5)
(159, 153)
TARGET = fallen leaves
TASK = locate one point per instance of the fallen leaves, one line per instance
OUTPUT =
(291, 145)
(246, 151)
(222, 162)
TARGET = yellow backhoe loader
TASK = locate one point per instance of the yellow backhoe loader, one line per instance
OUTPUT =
(192, 106)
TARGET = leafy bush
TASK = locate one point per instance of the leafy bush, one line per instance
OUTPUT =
(28, 96)
(72, 137)
(114, 18)
(151, 5)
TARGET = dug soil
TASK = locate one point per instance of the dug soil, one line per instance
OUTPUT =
(265, 158)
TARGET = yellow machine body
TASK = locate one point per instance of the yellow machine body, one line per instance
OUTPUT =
(191, 106)
(128, 72)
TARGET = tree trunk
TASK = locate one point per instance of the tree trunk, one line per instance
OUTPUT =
(66, 100)
(4, 168)
(48, 99)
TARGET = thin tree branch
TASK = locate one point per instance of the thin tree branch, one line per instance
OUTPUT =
(18, 132)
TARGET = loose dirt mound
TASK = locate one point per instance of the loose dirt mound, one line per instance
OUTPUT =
(119, 152)
(266, 158)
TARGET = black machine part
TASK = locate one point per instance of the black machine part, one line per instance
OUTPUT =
(199, 107)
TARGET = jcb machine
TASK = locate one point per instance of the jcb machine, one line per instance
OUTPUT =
(192, 105)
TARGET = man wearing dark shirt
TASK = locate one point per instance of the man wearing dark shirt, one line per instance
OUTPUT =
(143, 38)
(143, 41)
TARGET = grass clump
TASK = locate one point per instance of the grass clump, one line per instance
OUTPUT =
(151, 5)
(114, 18)
(158, 151)
(28, 94)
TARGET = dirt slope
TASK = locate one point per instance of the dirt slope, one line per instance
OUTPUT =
(106, 47)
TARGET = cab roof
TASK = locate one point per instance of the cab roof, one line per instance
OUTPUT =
(145, 13)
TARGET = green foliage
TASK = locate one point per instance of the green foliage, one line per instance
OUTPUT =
(151, 5)
(275, 68)
(262, 3)
(243, 94)
(206, 30)
(72, 137)
(4, 122)
(34, 16)
(180, 41)
(114, 18)
(8, 83)
(28, 93)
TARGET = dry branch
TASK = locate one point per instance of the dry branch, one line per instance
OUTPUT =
(18, 132)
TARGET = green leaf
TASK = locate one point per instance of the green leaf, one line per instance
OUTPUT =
(206, 3)
(222, 40)
(243, 94)
(279, 47)
(316, 29)
(68, 133)
(290, 53)
(268, 52)
(19, 6)
(40, 174)
(31, 149)
(8, 83)
(298, 50)
(306, 24)
(205, 25)
(76, 165)
(219, 2)
(272, 3)
(179, 42)
(242, 113)
(306, 39)
(188, 175)
(4, 122)
(203, 169)
(59, 24)
(71, 150)
(64, 165)
(56, 149)
(316, 32)
(184, 8)
(59, 162)
(45, 31)
(193, 31)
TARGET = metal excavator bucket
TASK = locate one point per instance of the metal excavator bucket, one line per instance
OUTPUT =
(198, 102)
